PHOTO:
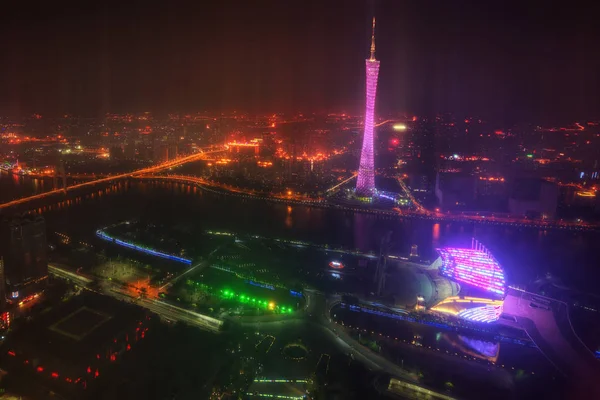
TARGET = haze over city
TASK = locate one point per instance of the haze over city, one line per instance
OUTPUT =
(508, 61)
(294, 200)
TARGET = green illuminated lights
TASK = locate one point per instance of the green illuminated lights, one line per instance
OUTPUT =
(245, 299)
(275, 396)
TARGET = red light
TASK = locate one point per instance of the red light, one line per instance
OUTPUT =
(40, 369)
(26, 362)
(98, 356)
(89, 370)
(54, 375)
(11, 353)
(96, 374)
(128, 347)
(113, 357)
(68, 380)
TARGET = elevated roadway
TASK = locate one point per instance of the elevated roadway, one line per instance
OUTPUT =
(92, 183)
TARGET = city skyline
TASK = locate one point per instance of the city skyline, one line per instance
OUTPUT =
(502, 62)
(225, 182)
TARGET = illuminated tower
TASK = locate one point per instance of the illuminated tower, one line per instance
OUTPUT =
(365, 184)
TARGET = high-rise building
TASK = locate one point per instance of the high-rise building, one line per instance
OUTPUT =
(2, 285)
(365, 184)
(455, 190)
(533, 197)
(172, 151)
(23, 247)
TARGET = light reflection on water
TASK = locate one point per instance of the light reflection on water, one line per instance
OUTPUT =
(524, 253)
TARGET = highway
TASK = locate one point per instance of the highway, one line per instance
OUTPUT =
(318, 310)
(164, 310)
(546, 322)
(66, 274)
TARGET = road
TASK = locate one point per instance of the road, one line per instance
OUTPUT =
(165, 310)
(318, 310)
(419, 212)
(201, 265)
(546, 321)
(149, 170)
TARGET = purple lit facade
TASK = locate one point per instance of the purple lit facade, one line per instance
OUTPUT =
(365, 184)
(489, 313)
(474, 267)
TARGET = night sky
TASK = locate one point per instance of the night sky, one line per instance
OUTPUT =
(497, 59)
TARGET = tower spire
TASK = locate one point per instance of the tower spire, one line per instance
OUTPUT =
(365, 182)
(373, 41)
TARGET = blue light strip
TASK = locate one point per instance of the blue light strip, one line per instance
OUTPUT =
(132, 246)
(261, 285)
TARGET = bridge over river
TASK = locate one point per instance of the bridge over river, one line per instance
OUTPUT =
(92, 184)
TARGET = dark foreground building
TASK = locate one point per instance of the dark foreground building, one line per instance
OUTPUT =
(72, 347)
(23, 248)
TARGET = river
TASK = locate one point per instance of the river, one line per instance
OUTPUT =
(525, 253)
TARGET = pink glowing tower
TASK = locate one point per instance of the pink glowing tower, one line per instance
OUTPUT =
(365, 184)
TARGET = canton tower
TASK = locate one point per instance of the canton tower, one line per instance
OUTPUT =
(365, 185)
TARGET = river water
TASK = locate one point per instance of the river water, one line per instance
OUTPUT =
(524, 253)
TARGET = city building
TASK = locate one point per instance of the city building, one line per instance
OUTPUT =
(365, 184)
(161, 152)
(23, 248)
(2, 285)
(533, 197)
(454, 189)
(172, 151)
